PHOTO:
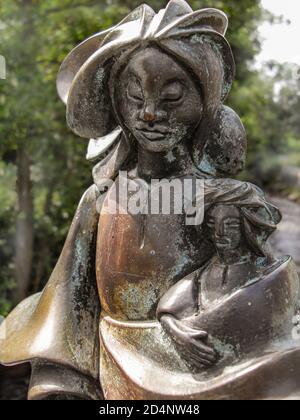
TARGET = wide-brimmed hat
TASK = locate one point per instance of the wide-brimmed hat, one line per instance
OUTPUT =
(83, 80)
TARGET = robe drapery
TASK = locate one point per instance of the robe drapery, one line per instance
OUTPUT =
(57, 331)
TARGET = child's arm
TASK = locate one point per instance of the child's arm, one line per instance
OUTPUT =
(181, 300)
(192, 343)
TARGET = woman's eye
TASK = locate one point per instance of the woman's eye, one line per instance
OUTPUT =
(172, 93)
(136, 96)
(135, 92)
(171, 98)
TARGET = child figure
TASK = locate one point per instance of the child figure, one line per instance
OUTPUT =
(224, 303)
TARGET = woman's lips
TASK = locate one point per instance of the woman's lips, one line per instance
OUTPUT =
(223, 242)
(157, 132)
(152, 135)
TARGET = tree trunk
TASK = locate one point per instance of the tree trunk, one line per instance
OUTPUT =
(43, 245)
(24, 210)
(24, 225)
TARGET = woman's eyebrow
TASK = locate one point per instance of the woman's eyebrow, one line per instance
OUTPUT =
(134, 77)
(173, 80)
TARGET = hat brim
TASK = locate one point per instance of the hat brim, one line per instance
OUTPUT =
(74, 61)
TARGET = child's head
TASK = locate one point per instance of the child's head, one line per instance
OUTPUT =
(225, 227)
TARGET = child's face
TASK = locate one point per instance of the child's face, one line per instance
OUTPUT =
(158, 101)
(225, 227)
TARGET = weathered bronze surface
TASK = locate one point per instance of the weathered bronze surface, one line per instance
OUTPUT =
(148, 304)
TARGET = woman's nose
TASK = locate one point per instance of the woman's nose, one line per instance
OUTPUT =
(148, 114)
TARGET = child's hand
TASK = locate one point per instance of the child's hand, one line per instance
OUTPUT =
(192, 342)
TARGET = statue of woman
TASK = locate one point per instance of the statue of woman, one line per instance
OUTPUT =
(148, 92)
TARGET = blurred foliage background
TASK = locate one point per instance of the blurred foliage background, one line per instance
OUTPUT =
(42, 164)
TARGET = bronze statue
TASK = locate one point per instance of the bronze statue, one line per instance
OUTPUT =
(154, 304)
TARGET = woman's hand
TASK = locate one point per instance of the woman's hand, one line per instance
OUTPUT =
(191, 342)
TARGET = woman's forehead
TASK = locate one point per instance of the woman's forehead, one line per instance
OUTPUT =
(152, 63)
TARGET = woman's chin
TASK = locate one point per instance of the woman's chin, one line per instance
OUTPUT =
(158, 146)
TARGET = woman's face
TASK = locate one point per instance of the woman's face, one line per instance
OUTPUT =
(158, 101)
(225, 227)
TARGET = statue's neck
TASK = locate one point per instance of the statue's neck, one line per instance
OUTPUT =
(231, 257)
(158, 165)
